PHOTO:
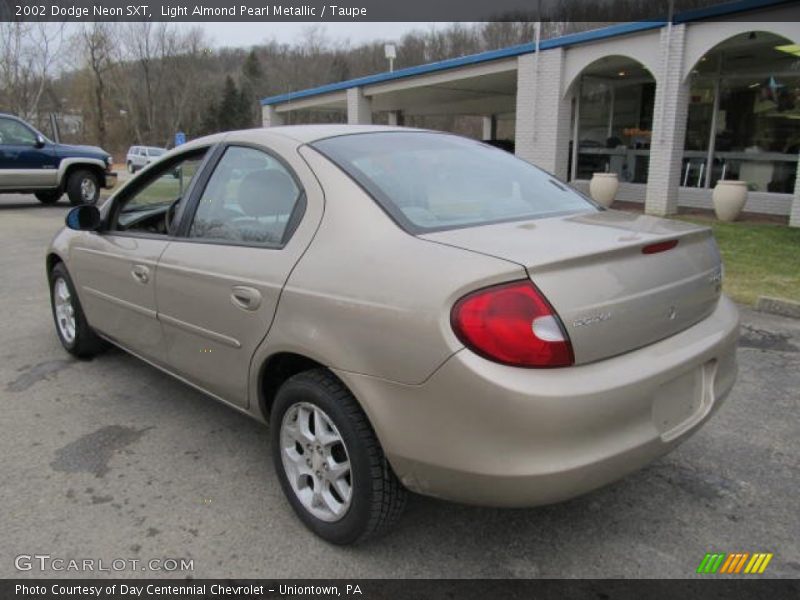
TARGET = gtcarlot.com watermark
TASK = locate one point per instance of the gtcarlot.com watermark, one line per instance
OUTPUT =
(46, 562)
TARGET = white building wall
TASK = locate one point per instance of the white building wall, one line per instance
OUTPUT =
(546, 85)
(759, 202)
(641, 47)
(359, 107)
(270, 117)
(670, 111)
(543, 113)
(703, 36)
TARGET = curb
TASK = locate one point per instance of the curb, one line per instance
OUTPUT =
(778, 306)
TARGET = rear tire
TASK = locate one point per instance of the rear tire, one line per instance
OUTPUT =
(369, 497)
(71, 326)
(48, 197)
(83, 187)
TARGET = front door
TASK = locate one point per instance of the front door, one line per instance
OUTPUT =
(218, 287)
(23, 164)
(115, 270)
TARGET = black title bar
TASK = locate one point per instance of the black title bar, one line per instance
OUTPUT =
(394, 10)
(741, 588)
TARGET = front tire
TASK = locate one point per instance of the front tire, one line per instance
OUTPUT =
(71, 326)
(131, 168)
(48, 197)
(329, 462)
(83, 187)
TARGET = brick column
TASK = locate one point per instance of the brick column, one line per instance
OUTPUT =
(270, 117)
(359, 107)
(794, 212)
(543, 114)
(669, 126)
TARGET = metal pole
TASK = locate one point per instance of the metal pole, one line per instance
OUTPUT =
(611, 109)
(575, 126)
(54, 127)
(712, 136)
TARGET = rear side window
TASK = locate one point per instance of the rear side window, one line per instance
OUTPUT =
(431, 181)
(249, 199)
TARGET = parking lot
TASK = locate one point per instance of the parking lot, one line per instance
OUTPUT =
(112, 459)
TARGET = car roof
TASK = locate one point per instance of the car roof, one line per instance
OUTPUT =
(312, 133)
(15, 117)
(300, 134)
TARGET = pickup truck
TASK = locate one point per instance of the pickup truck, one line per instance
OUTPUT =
(32, 164)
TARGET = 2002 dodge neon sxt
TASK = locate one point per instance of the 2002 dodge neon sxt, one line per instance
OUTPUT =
(407, 310)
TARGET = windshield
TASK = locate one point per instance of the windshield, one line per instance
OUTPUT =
(432, 181)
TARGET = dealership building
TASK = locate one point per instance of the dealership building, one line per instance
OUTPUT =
(670, 107)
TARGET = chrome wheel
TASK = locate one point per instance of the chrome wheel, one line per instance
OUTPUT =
(65, 311)
(316, 461)
(88, 190)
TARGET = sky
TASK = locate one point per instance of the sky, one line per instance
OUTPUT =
(248, 34)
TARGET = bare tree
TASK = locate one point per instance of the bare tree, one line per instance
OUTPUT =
(96, 45)
(29, 54)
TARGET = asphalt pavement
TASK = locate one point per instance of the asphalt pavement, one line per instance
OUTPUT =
(110, 459)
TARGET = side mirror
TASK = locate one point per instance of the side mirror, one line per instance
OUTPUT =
(40, 141)
(85, 217)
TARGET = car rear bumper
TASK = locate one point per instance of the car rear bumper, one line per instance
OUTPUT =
(483, 433)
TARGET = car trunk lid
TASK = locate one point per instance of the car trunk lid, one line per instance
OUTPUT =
(618, 281)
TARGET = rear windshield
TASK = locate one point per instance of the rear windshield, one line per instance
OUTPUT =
(432, 181)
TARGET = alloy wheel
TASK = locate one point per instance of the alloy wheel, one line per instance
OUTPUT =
(88, 190)
(65, 311)
(316, 461)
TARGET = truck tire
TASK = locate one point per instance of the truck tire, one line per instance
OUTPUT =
(83, 187)
(49, 197)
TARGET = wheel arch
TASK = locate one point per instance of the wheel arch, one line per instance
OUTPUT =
(51, 261)
(275, 371)
(94, 167)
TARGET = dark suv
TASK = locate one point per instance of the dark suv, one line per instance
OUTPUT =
(32, 164)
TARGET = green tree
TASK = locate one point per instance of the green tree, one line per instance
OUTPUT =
(233, 111)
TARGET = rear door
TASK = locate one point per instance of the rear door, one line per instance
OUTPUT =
(115, 270)
(219, 285)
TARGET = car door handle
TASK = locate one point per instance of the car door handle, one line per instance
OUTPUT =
(245, 297)
(141, 273)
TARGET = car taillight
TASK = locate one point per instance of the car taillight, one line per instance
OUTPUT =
(513, 324)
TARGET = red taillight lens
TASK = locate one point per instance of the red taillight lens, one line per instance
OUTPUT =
(512, 324)
(659, 247)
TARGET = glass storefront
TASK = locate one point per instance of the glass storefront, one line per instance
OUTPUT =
(615, 120)
(744, 115)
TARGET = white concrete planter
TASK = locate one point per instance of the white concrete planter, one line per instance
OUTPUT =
(729, 198)
(603, 188)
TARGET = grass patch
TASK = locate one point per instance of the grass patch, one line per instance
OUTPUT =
(761, 259)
